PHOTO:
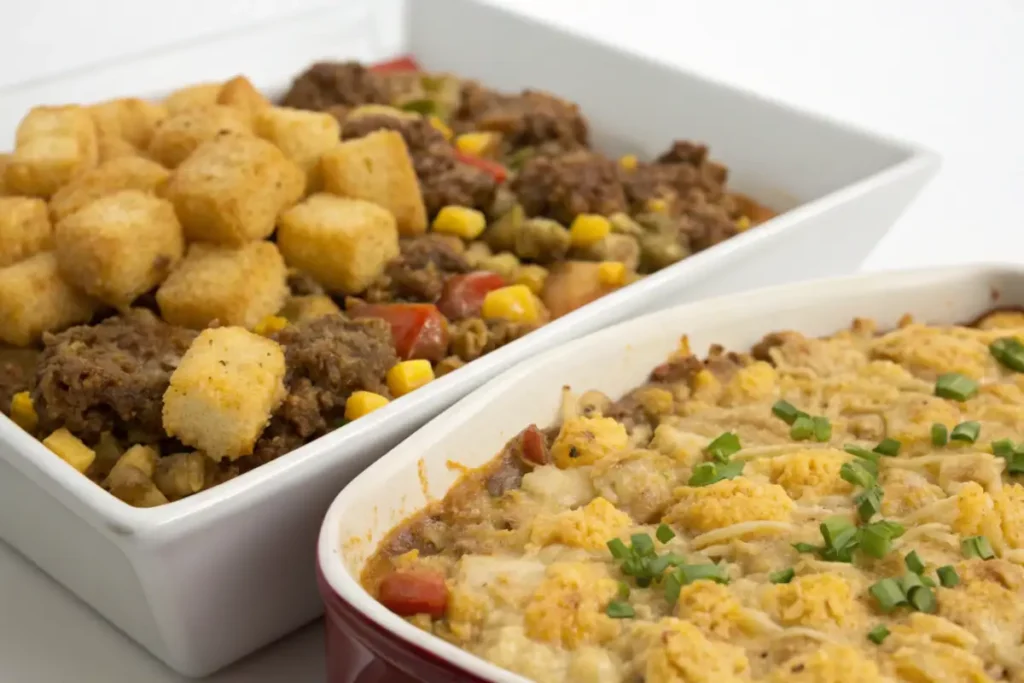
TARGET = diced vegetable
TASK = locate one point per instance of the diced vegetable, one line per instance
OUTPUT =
(479, 144)
(515, 303)
(463, 295)
(940, 434)
(70, 449)
(533, 276)
(270, 325)
(628, 162)
(572, 284)
(499, 172)
(460, 221)
(612, 273)
(955, 386)
(419, 331)
(23, 412)
(408, 376)
(535, 449)
(441, 127)
(411, 592)
(404, 63)
(362, 403)
(878, 634)
(1009, 351)
(589, 229)
(966, 432)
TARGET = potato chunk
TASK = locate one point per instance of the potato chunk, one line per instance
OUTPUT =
(303, 136)
(35, 299)
(52, 146)
(378, 168)
(180, 134)
(128, 118)
(343, 244)
(119, 246)
(123, 173)
(231, 190)
(234, 286)
(223, 392)
(24, 229)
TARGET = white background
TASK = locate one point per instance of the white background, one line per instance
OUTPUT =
(948, 74)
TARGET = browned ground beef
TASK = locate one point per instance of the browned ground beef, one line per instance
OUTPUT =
(706, 224)
(328, 358)
(329, 84)
(565, 186)
(678, 173)
(17, 374)
(109, 377)
(418, 274)
(443, 179)
(529, 119)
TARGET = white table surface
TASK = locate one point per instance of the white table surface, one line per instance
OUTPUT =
(944, 73)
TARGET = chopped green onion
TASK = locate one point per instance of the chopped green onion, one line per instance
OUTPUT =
(888, 593)
(948, 576)
(1002, 448)
(909, 581)
(786, 411)
(966, 431)
(922, 598)
(913, 562)
(617, 609)
(836, 530)
(1016, 463)
(869, 503)
(704, 474)
(1009, 352)
(892, 529)
(928, 581)
(660, 564)
(856, 474)
(870, 456)
(802, 428)
(822, 429)
(977, 546)
(888, 447)
(878, 634)
(695, 572)
(724, 446)
(782, 576)
(870, 465)
(643, 581)
(664, 533)
(805, 548)
(623, 590)
(672, 587)
(642, 544)
(729, 470)
(425, 107)
(955, 386)
(940, 435)
(618, 549)
(874, 542)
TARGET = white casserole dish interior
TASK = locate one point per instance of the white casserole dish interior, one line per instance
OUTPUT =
(209, 579)
(614, 361)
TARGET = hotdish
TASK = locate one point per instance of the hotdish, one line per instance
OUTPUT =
(809, 500)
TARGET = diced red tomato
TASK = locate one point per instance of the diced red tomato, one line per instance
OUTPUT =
(535, 449)
(403, 63)
(419, 331)
(499, 172)
(463, 295)
(410, 592)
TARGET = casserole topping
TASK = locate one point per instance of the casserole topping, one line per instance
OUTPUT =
(211, 281)
(844, 509)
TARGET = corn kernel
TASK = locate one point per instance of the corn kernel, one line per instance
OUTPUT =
(515, 303)
(23, 412)
(70, 449)
(628, 162)
(742, 223)
(588, 229)
(533, 276)
(408, 376)
(657, 205)
(441, 127)
(477, 144)
(362, 403)
(460, 221)
(270, 325)
(612, 273)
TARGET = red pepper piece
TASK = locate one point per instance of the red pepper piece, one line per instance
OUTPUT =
(463, 295)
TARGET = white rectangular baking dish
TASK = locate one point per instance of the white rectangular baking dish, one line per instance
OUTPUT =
(207, 580)
(612, 361)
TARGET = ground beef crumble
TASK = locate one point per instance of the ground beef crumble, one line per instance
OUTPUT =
(330, 84)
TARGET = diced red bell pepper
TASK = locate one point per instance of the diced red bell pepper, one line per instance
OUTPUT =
(463, 295)
(499, 172)
(419, 331)
(410, 592)
(403, 63)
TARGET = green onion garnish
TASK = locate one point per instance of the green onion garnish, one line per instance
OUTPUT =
(940, 435)
(672, 587)
(909, 581)
(856, 474)
(913, 562)
(694, 572)
(618, 549)
(1003, 448)
(862, 453)
(703, 474)
(977, 546)
(786, 411)
(802, 428)
(1009, 352)
(878, 634)
(617, 609)
(805, 548)
(822, 429)
(922, 598)
(724, 446)
(948, 576)
(837, 530)
(425, 107)
(664, 533)
(1016, 463)
(888, 593)
(874, 542)
(966, 431)
(888, 447)
(782, 576)
(955, 386)
(642, 544)
(869, 503)
(623, 590)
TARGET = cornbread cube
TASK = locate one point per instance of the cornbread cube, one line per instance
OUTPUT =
(241, 94)
(5, 159)
(193, 97)
(24, 229)
(589, 526)
(223, 392)
(303, 136)
(124, 173)
(116, 148)
(344, 244)
(119, 246)
(35, 299)
(231, 190)
(233, 286)
(378, 168)
(129, 119)
(181, 133)
(298, 309)
(70, 449)
(52, 146)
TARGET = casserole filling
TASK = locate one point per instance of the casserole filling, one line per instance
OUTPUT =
(191, 288)
(843, 509)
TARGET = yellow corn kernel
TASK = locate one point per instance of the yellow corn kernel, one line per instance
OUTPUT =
(612, 273)
(628, 162)
(657, 205)
(270, 325)
(477, 144)
(588, 229)
(70, 449)
(515, 303)
(23, 412)
(362, 403)
(460, 221)
(441, 127)
(742, 223)
(533, 276)
(408, 375)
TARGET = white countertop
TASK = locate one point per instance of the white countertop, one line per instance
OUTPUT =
(946, 75)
